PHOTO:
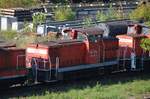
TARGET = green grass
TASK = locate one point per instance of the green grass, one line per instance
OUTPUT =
(107, 87)
(116, 91)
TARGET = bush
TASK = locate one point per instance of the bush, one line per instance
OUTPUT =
(27, 27)
(8, 35)
(64, 14)
(100, 16)
(111, 14)
(145, 44)
(24, 40)
(87, 22)
(142, 12)
(147, 23)
(38, 18)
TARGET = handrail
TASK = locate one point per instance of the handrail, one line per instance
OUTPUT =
(57, 67)
(103, 50)
(50, 67)
(118, 58)
(36, 67)
(124, 56)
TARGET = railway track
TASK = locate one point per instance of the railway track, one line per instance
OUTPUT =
(90, 9)
(62, 86)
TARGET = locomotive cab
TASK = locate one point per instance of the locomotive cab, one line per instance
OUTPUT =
(134, 29)
(84, 34)
(96, 44)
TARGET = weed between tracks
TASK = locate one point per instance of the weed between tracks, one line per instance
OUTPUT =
(110, 87)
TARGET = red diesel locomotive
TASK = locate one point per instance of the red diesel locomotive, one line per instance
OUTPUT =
(82, 49)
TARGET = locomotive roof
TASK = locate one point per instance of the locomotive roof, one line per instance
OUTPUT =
(56, 43)
(90, 30)
(4, 44)
(132, 36)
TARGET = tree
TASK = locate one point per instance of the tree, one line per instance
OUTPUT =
(38, 19)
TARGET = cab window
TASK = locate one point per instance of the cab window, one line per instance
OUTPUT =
(81, 36)
(92, 38)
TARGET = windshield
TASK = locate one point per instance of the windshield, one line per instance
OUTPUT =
(81, 36)
(131, 30)
(145, 30)
(94, 38)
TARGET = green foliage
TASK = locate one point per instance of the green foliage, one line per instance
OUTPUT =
(132, 89)
(111, 14)
(142, 12)
(38, 19)
(147, 23)
(27, 28)
(23, 40)
(8, 35)
(63, 14)
(17, 3)
(100, 16)
(45, 38)
(87, 22)
(145, 44)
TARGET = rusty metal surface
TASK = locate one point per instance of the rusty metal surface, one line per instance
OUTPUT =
(55, 43)
(91, 30)
(130, 43)
(4, 44)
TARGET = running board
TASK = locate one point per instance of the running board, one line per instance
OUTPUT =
(88, 66)
(12, 77)
(51, 81)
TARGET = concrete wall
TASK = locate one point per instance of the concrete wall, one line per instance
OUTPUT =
(10, 23)
(3, 23)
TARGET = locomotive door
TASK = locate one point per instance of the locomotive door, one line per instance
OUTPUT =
(93, 50)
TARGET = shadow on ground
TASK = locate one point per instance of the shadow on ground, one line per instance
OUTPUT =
(65, 86)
